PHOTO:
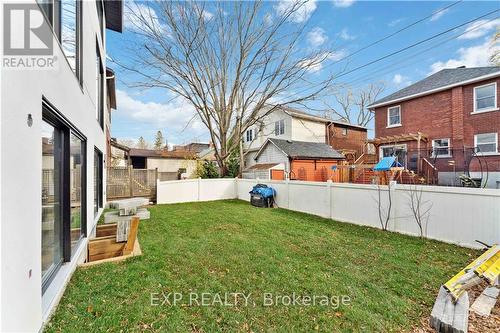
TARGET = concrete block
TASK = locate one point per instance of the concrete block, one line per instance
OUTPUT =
(486, 301)
(461, 314)
(438, 308)
(114, 217)
(450, 317)
(128, 203)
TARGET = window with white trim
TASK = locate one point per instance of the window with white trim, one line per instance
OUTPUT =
(394, 116)
(279, 127)
(249, 135)
(441, 147)
(486, 143)
(485, 97)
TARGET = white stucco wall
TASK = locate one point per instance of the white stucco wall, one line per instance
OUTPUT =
(22, 306)
(172, 165)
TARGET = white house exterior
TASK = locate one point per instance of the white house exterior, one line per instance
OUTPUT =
(283, 123)
(53, 150)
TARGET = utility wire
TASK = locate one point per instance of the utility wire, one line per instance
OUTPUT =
(415, 44)
(405, 48)
(396, 32)
(432, 47)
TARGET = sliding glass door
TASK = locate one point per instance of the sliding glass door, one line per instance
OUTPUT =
(63, 192)
(52, 231)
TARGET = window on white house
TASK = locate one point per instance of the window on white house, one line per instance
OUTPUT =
(486, 143)
(485, 97)
(441, 147)
(99, 87)
(279, 127)
(394, 116)
(249, 135)
(65, 17)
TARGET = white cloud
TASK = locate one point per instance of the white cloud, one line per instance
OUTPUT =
(316, 37)
(343, 3)
(439, 14)
(314, 64)
(479, 28)
(473, 56)
(400, 80)
(302, 14)
(395, 22)
(337, 55)
(207, 15)
(345, 35)
(173, 116)
(138, 16)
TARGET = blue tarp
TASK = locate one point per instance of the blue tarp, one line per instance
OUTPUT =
(386, 164)
(263, 190)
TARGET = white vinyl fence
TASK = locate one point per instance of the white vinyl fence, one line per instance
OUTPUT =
(455, 215)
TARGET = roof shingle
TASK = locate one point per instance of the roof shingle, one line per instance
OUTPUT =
(443, 78)
(302, 149)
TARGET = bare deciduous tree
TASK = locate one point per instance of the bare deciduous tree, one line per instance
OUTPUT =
(230, 60)
(353, 103)
(384, 211)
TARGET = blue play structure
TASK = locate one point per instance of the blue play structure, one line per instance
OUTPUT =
(386, 164)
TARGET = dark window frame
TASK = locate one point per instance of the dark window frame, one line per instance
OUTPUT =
(52, 12)
(53, 117)
(100, 88)
(99, 158)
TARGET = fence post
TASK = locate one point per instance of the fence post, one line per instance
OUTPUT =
(394, 199)
(131, 191)
(329, 188)
(199, 188)
(236, 188)
(156, 184)
(288, 194)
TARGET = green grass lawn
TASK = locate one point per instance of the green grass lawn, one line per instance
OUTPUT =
(229, 246)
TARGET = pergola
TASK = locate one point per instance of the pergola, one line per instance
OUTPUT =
(419, 137)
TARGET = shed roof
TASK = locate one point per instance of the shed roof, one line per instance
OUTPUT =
(442, 80)
(303, 149)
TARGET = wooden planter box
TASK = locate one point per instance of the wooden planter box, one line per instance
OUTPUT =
(104, 247)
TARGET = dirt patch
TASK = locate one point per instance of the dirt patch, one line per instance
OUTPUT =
(477, 324)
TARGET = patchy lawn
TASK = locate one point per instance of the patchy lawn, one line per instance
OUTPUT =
(232, 247)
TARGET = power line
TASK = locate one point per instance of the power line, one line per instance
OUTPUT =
(396, 32)
(415, 44)
(364, 77)
(406, 48)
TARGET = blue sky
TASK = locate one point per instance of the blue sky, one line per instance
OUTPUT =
(342, 27)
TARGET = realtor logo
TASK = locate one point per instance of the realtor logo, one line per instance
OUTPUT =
(27, 38)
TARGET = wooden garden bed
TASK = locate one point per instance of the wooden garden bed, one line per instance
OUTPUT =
(105, 248)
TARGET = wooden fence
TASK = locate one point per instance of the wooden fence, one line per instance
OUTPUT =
(126, 182)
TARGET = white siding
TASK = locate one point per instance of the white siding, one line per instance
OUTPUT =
(265, 130)
(271, 154)
(306, 130)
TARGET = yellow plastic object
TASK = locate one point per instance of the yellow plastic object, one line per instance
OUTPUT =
(493, 271)
(487, 262)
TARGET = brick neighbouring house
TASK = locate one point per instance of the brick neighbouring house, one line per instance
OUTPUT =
(448, 122)
(348, 139)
